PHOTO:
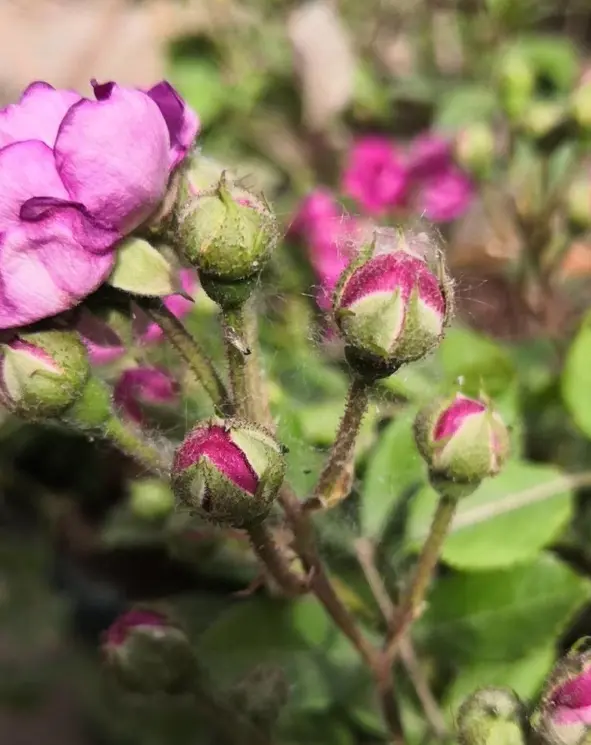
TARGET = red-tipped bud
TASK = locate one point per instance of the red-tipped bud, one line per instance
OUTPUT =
(462, 439)
(563, 716)
(148, 653)
(42, 374)
(393, 307)
(228, 472)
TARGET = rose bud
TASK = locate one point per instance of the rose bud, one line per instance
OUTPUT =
(42, 373)
(491, 716)
(462, 440)
(147, 653)
(228, 234)
(392, 307)
(228, 472)
(563, 715)
(140, 390)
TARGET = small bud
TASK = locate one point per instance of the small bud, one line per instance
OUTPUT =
(393, 307)
(581, 104)
(151, 499)
(563, 715)
(149, 654)
(42, 373)
(578, 202)
(228, 472)
(491, 716)
(140, 389)
(462, 440)
(261, 695)
(475, 148)
(517, 82)
(228, 234)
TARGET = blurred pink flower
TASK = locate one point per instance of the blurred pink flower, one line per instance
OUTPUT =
(440, 190)
(376, 175)
(76, 175)
(176, 304)
(141, 386)
(327, 231)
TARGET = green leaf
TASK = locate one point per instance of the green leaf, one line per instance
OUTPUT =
(524, 675)
(393, 467)
(481, 363)
(576, 378)
(504, 522)
(465, 105)
(495, 616)
(142, 270)
(200, 83)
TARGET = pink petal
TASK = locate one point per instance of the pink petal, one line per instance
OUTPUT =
(113, 156)
(37, 116)
(455, 415)
(27, 170)
(181, 120)
(177, 304)
(44, 271)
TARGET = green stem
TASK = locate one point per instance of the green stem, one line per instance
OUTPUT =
(260, 401)
(267, 550)
(126, 439)
(333, 483)
(237, 354)
(190, 350)
(413, 599)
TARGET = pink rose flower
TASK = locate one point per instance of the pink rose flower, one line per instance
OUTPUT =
(141, 386)
(104, 345)
(328, 233)
(376, 175)
(76, 175)
(441, 191)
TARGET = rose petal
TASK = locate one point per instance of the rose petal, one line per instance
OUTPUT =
(181, 120)
(27, 169)
(113, 157)
(37, 116)
(43, 271)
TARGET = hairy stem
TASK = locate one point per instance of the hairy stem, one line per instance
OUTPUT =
(365, 555)
(238, 353)
(130, 441)
(412, 600)
(334, 482)
(191, 352)
(275, 561)
(260, 398)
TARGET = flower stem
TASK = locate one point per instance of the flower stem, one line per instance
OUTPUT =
(334, 482)
(237, 354)
(412, 600)
(267, 550)
(129, 441)
(191, 352)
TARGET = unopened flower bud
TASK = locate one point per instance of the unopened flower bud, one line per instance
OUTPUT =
(581, 104)
(491, 716)
(578, 202)
(475, 148)
(228, 472)
(261, 695)
(149, 654)
(151, 499)
(228, 234)
(393, 307)
(563, 715)
(516, 78)
(462, 440)
(42, 373)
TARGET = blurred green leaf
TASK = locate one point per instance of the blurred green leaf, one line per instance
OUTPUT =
(199, 81)
(524, 675)
(464, 105)
(493, 616)
(576, 378)
(392, 468)
(504, 522)
(481, 364)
